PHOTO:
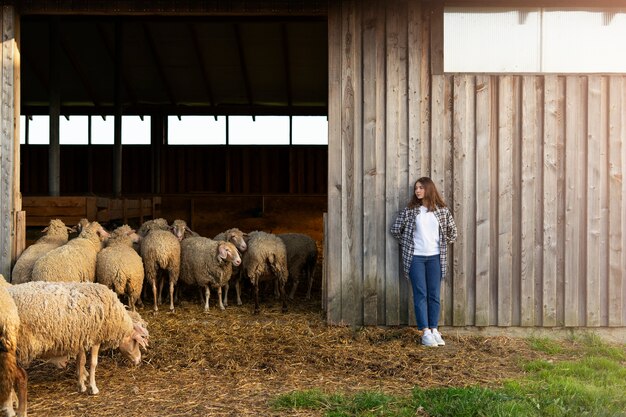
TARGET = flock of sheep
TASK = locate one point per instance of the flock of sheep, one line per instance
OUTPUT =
(64, 299)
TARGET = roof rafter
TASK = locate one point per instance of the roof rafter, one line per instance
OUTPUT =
(79, 71)
(159, 64)
(287, 63)
(244, 68)
(109, 49)
(203, 69)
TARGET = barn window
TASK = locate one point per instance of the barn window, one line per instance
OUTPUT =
(135, 131)
(309, 130)
(196, 130)
(534, 40)
(38, 130)
(261, 130)
(74, 130)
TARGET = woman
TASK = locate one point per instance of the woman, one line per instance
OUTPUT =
(424, 228)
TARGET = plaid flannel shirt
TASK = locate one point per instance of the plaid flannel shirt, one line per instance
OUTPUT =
(403, 229)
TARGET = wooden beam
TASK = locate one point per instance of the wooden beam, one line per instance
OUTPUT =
(158, 62)
(129, 92)
(117, 127)
(204, 73)
(54, 150)
(244, 67)
(84, 79)
(286, 63)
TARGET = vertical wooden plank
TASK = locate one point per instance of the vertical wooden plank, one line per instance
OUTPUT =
(595, 243)
(373, 227)
(464, 198)
(20, 233)
(550, 174)
(505, 198)
(486, 147)
(7, 143)
(436, 42)
(531, 135)
(381, 192)
(334, 238)
(623, 194)
(575, 195)
(397, 152)
(616, 201)
(352, 154)
(13, 49)
(441, 170)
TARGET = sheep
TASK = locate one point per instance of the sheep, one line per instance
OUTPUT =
(75, 261)
(65, 319)
(12, 375)
(237, 238)
(153, 224)
(205, 263)
(119, 266)
(56, 234)
(160, 250)
(301, 259)
(266, 258)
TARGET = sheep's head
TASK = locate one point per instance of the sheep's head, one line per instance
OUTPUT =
(131, 345)
(228, 252)
(179, 227)
(237, 238)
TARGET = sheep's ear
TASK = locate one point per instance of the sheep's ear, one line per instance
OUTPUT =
(140, 334)
(223, 251)
(45, 230)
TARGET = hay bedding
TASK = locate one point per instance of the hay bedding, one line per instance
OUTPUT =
(230, 363)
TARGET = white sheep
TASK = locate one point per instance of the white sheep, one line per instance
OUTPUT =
(75, 261)
(301, 259)
(152, 224)
(207, 263)
(237, 238)
(120, 267)
(66, 319)
(12, 375)
(265, 259)
(160, 251)
(56, 234)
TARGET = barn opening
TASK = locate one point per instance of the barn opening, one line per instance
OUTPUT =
(218, 120)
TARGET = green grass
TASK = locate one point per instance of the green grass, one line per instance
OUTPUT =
(592, 384)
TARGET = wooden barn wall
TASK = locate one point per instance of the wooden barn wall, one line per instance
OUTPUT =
(532, 167)
(184, 169)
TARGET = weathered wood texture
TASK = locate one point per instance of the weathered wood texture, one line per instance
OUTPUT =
(9, 150)
(532, 167)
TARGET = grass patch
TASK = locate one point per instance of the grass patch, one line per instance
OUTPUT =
(592, 384)
(545, 345)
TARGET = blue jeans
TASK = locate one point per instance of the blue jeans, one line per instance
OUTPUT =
(425, 275)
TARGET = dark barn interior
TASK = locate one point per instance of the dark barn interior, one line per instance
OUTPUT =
(160, 66)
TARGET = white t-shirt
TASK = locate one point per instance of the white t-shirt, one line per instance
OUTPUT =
(426, 237)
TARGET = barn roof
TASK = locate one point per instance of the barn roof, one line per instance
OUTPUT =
(175, 64)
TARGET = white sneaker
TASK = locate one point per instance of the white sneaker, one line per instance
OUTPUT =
(429, 340)
(438, 338)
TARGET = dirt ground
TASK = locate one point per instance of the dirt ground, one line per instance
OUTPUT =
(232, 363)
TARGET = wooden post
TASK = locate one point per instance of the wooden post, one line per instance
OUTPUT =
(8, 151)
(117, 148)
(54, 150)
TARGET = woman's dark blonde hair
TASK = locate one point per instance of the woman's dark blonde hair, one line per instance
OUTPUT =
(432, 199)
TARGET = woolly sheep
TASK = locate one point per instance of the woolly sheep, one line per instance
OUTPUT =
(207, 263)
(265, 259)
(237, 238)
(12, 376)
(160, 251)
(153, 224)
(75, 261)
(301, 259)
(65, 319)
(119, 266)
(56, 234)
